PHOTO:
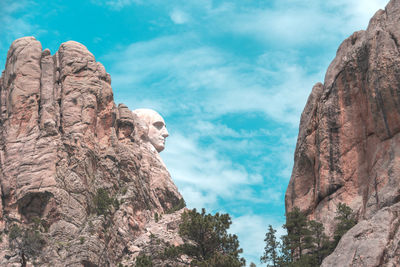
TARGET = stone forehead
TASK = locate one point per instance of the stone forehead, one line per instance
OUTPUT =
(148, 115)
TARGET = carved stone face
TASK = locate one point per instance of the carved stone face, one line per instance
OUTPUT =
(157, 131)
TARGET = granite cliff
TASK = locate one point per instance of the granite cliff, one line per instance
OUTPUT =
(348, 148)
(74, 166)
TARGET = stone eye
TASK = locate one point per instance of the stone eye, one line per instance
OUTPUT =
(158, 125)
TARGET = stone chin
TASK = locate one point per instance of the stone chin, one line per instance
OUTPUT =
(159, 146)
(157, 131)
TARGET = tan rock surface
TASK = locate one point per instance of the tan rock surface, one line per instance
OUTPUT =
(348, 148)
(371, 243)
(61, 140)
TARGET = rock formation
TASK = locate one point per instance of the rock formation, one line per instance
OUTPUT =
(75, 166)
(348, 148)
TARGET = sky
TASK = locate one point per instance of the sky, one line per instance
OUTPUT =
(230, 78)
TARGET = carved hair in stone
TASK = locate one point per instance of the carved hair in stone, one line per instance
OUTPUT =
(154, 125)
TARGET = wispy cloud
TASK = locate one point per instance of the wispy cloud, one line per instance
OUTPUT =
(14, 24)
(291, 23)
(283, 23)
(360, 11)
(195, 86)
(203, 175)
(220, 82)
(275, 82)
(116, 4)
(179, 17)
(251, 230)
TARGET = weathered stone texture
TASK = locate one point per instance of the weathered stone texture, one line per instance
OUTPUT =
(61, 140)
(371, 243)
(348, 148)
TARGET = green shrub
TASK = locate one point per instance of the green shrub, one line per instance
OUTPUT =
(102, 202)
(29, 242)
(32, 243)
(124, 190)
(180, 205)
(143, 261)
(15, 232)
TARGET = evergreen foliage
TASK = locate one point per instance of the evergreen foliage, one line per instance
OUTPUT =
(285, 257)
(143, 261)
(271, 248)
(305, 244)
(298, 234)
(102, 202)
(32, 243)
(28, 241)
(320, 244)
(180, 205)
(207, 242)
(345, 220)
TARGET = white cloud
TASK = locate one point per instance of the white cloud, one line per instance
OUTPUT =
(361, 11)
(203, 175)
(282, 102)
(251, 231)
(198, 199)
(290, 23)
(284, 22)
(287, 23)
(220, 82)
(272, 195)
(286, 28)
(116, 4)
(12, 26)
(179, 17)
(210, 129)
(185, 76)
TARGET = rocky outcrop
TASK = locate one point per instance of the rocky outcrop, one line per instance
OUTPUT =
(348, 148)
(373, 242)
(72, 163)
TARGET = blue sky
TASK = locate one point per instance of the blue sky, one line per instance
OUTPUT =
(230, 78)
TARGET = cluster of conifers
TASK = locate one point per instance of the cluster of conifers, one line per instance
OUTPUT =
(207, 242)
(305, 244)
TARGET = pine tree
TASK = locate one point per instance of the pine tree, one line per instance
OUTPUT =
(298, 234)
(285, 258)
(346, 220)
(320, 242)
(271, 248)
(305, 244)
(207, 242)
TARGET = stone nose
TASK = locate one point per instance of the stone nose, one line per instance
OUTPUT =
(165, 132)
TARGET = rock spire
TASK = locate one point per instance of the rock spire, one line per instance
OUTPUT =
(73, 165)
(348, 148)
